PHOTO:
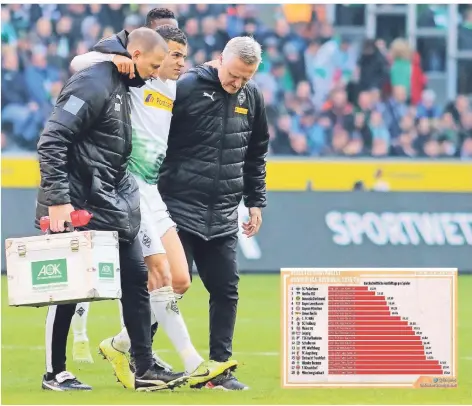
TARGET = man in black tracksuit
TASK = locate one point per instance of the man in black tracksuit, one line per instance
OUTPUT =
(83, 155)
(217, 146)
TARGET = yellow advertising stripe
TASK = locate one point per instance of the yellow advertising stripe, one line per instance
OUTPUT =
(23, 172)
(20, 172)
(342, 175)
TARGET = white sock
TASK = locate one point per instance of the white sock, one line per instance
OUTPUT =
(79, 321)
(122, 341)
(164, 307)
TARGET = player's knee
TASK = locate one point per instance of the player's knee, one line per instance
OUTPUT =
(181, 283)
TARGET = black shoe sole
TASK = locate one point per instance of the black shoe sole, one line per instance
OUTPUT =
(166, 386)
(44, 387)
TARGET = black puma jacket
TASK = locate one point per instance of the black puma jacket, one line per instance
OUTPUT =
(216, 154)
(85, 147)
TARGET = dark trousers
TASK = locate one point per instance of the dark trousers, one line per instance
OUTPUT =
(136, 314)
(217, 266)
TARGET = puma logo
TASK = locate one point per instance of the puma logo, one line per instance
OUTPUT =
(209, 95)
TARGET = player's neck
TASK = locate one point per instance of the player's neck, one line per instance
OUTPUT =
(163, 78)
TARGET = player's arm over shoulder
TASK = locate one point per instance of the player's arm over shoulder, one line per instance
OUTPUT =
(84, 61)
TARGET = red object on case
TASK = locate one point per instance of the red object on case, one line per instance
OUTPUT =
(79, 218)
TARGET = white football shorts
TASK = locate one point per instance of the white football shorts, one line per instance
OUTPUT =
(155, 219)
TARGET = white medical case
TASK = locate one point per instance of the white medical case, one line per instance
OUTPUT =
(80, 266)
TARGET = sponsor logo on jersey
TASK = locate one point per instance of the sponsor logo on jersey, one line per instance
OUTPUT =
(157, 100)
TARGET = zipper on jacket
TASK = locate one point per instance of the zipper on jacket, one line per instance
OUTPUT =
(220, 155)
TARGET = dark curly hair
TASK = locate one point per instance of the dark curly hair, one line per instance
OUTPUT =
(159, 14)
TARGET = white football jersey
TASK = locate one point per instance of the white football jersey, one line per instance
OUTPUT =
(151, 114)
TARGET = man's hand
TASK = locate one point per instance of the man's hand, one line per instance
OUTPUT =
(58, 215)
(251, 228)
(124, 65)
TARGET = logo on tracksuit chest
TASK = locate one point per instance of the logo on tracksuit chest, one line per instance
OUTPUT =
(241, 99)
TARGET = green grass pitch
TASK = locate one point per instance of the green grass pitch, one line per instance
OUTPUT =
(256, 347)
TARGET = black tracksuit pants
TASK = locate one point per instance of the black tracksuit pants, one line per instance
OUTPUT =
(217, 266)
(136, 314)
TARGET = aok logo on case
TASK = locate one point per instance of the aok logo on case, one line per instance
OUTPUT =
(47, 272)
(106, 270)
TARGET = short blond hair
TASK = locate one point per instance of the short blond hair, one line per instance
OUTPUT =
(245, 48)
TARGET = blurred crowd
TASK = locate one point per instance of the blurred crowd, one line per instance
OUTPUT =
(325, 94)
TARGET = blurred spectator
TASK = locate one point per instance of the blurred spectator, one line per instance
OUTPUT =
(43, 34)
(458, 107)
(404, 147)
(131, 22)
(402, 67)
(39, 79)
(339, 111)
(325, 93)
(466, 150)
(339, 141)
(448, 131)
(418, 79)
(427, 107)
(431, 149)
(8, 30)
(295, 63)
(394, 109)
(321, 65)
(361, 130)
(379, 131)
(380, 148)
(281, 143)
(424, 131)
(373, 67)
(466, 125)
(18, 111)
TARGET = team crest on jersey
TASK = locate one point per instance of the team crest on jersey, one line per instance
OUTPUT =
(157, 100)
(241, 97)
